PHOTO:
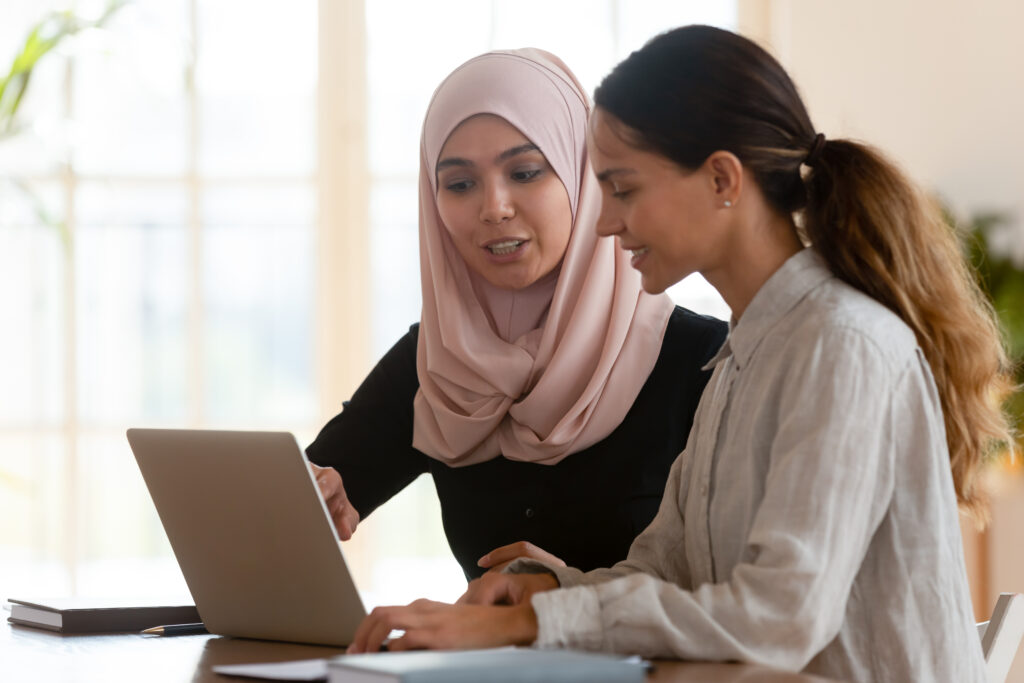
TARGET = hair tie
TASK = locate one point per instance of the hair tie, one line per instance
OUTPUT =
(816, 147)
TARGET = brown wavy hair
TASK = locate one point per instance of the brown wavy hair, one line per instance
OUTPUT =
(697, 89)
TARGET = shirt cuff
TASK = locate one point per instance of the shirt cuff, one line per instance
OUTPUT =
(568, 618)
(567, 576)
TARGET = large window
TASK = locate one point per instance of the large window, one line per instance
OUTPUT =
(162, 253)
(157, 224)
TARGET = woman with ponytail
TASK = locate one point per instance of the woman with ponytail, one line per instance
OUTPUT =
(811, 523)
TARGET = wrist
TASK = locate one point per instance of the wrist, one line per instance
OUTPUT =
(524, 627)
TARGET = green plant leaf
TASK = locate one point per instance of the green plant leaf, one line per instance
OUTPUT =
(42, 38)
(1003, 282)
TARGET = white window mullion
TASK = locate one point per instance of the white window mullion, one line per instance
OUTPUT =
(71, 483)
(342, 237)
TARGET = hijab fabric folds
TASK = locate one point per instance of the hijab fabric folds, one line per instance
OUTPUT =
(546, 371)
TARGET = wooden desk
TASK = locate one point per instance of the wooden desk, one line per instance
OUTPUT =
(28, 654)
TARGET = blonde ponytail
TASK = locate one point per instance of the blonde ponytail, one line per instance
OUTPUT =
(880, 234)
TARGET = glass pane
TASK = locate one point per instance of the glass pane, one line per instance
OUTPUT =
(399, 87)
(586, 49)
(695, 293)
(123, 549)
(400, 552)
(117, 515)
(257, 47)
(395, 261)
(24, 202)
(33, 520)
(265, 136)
(394, 130)
(132, 284)
(32, 301)
(259, 274)
(257, 103)
(130, 111)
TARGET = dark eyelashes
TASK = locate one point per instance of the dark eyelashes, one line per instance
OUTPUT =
(458, 186)
(523, 176)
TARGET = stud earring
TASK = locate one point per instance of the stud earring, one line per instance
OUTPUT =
(728, 203)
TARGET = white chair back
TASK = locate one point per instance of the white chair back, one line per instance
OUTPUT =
(1001, 635)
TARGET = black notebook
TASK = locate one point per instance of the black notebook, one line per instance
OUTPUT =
(91, 615)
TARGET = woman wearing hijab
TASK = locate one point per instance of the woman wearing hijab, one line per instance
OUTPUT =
(545, 393)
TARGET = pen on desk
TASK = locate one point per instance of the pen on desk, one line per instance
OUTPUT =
(176, 629)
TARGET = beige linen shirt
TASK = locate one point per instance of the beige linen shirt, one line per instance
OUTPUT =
(811, 523)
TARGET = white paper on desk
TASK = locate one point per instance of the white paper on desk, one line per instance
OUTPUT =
(301, 670)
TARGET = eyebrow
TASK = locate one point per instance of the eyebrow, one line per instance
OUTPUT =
(507, 154)
(516, 151)
(608, 173)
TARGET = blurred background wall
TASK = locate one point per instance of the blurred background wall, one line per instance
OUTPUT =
(936, 84)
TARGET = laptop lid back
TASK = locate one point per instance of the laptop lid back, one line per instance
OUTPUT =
(251, 534)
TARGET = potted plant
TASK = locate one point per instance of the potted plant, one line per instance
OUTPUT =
(1002, 279)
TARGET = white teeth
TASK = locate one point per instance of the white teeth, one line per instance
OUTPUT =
(639, 252)
(506, 247)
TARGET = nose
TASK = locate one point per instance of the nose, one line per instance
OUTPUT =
(497, 205)
(609, 222)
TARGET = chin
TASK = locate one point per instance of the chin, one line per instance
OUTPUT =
(510, 284)
(652, 286)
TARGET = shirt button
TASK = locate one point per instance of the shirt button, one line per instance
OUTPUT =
(529, 513)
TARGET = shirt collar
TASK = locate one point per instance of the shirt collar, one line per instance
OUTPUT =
(787, 286)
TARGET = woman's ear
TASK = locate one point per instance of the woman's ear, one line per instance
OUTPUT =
(726, 173)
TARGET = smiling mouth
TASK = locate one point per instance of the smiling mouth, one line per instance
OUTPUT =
(504, 247)
(639, 251)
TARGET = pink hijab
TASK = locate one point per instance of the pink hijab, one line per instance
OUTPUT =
(542, 372)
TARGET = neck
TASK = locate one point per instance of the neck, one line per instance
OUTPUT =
(514, 312)
(760, 244)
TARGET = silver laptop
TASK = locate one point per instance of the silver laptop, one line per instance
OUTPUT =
(251, 533)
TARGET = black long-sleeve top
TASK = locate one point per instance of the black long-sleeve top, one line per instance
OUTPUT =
(587, 509)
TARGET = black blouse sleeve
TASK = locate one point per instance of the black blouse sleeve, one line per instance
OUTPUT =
(370, 441)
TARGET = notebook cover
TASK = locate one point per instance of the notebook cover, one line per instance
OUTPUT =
(85, 615)
(500, 665)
